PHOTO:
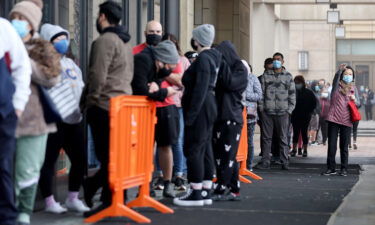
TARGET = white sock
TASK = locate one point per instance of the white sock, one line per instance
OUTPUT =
(207, 184)
(196, 186)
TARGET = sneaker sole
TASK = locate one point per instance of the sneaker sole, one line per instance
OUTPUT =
(331, 174)
(188, 203)
(207, 201)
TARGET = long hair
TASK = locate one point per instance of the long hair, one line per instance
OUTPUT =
(300, 79)
(342, 73)
(173, 38)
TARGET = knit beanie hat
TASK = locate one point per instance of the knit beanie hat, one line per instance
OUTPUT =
(39, 3)
(166, 52)
(31, 11)
(204, 34)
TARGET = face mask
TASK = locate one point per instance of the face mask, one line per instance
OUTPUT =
(347, 79)
(325, 95)
(98, 27)
(153, 39)
(362, 88)
(277, 64)
(163, 72)
(299, 86)
(21, 27)
(193, 46)
(61, 46)
(317, 88)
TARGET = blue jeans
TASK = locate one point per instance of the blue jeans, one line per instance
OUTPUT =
(250, 141)
(179, 160)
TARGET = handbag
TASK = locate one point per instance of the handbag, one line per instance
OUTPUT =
(355, 115)
(58, 102)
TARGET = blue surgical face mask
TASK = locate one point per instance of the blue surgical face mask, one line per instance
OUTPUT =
(317, 88)
(299, 86)
(61, 46)
(277, 64)
(347, 79)
(21, 27)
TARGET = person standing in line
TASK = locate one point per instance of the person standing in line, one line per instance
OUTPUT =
(301, 116)
(368, 98)
(32, 128)
(153, 35)
(179, 160)
(339, 119)
(314, 122)
(70, 132)
(15, 72)
(253, 95)
(325, 105)
(278, 104)
(110, 75)
(151, 68)
(200, 112)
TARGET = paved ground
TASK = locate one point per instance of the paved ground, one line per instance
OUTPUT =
(298, 196)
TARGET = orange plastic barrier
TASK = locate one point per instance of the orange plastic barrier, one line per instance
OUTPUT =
(132, 127)
(242, 154)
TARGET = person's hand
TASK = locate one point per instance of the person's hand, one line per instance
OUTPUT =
(342, 66)
(352, 97)
(153, 87)
(19, 113)
(171, 91)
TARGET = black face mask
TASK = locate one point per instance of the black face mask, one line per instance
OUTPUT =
(192, 43)
(98, 28)
(153, 39)
(163, 72)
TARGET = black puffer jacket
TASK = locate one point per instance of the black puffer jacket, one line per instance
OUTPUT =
(231, 84)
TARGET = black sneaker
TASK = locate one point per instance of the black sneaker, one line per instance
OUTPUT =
(293, 153)
(206, 195)
(329, 172)
(191, 198)
(168, 191)
(159, 184)
(226, 196)
(299, 151)
(262, 166)
(179, 184)
(285, 167)
(343, 173)
(304, 153)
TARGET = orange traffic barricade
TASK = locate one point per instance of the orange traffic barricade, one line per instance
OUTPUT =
(242, 154)
(132, 127)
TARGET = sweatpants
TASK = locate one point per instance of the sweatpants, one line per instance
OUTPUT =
(334, 130)
(226, 140)
(300, 127)
(98, 120)
(198, 143)
(70, 137)
(281, 125)
(8, 211)
(30, 156)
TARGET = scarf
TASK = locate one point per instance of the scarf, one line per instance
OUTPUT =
(345, 88)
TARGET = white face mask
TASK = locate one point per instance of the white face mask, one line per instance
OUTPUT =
(325, 95)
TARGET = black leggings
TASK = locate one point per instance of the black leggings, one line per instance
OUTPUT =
(71, 139)
(301, 126)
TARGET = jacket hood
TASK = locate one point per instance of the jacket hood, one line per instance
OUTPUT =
(120, 31)
(229, 52)
(49, 32)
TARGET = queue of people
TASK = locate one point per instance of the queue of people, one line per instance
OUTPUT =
(200, 98)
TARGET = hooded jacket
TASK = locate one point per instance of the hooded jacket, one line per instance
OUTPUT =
(145, 73)
(231, 84)
(199, 81)
(110, 68)
(70, 72)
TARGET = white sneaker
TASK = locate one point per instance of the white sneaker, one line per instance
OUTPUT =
(76, 205)
(55, 208)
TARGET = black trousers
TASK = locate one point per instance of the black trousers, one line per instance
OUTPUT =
(225, 144)
(354, 132)
(198, 143)
(323, 126)
(281, 126)
(334, 130)
(8, 211)
(301, 126)
(98, 120)
(70, 137)
(368, 110)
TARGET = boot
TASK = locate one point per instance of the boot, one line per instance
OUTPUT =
(304, 151)
(294, 151)
(299, 151)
